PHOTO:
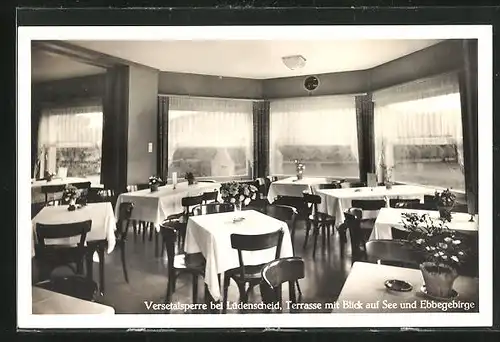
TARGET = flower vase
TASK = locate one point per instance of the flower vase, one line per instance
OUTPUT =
(388, 185)
(72, 205)
(438, 279)
(237, 206)
(300, 175)
(154, 187)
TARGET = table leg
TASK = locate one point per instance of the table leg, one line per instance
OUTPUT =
(100, 252)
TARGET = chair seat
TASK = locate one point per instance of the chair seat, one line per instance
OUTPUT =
(252, 272)
(74, 286)
(323, 218)
(190, 262)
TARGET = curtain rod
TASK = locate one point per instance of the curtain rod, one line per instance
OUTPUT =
(211, 97)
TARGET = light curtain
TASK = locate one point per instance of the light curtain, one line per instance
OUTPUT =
(71, 139)
(418, 132)
(210, 137)
(319, 131)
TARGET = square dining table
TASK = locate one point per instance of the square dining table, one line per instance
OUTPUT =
(364, 292)
(211, 235)
(391, 217)
(156, 206)
(293, 187)
(336, 201)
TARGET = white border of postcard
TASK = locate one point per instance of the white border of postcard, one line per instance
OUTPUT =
(485, 103)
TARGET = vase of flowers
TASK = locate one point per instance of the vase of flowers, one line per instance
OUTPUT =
(70, 195)
(154, 183)
(299, 168)
(239, 194)
(445, 202)
(441, 249)
(190, 178)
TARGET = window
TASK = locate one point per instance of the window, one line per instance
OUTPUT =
(321, 132)
(70, 140)
(418, 131)
(210, 137)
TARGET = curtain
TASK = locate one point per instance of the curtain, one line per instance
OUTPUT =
(35, 124)
(210, 137)
(418, 132)
(261, 138)
(162, 137)
(70, 141)
(321, 132)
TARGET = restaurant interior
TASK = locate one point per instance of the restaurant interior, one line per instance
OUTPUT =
(254, 176)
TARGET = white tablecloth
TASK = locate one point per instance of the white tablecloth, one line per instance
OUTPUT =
(36, 186)
(53, 303)
(335, 201)
(365, 284)
(101, 214)
(391, 217)
(156, 206)
(210, 235)
(292, 187)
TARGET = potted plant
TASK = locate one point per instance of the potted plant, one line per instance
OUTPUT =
(385, 172)
(445, 202)
(238, 193)
(442, 252)
(70, 195)
(299, 168)
(154, 183)
(190, 178)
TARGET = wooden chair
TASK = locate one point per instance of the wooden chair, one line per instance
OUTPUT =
(260, 203)
(318, 221)
(210, 196)
(177, 264)
(51, 256)
(52, 190)
(329, 186)
(213, 208)
(251, 274)
(277, 272)
(121, 232)
(393, 252)
(353, 224)
(403, 203)
(371, 206)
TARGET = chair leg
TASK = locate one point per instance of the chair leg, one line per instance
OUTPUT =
(151, 230)
(170, 285)
(195, 288)
(124, 263)
(315, 237)
(143, 226)
(308, 229)
(100, 252)
(323, 236)
(243, 293)
(298, 288)
(157, 252)
(224, 295)
(328, 235)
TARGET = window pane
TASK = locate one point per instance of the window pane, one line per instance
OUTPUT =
(419, 133)
(210, 138)
(70, 142)
(320, 132)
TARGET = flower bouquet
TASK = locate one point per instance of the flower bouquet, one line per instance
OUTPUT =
(299, 168)
(445, 201)
(190, 178)
(48, 176)
(70, 195)
(238, 193)
(442, 250)
(154, 183)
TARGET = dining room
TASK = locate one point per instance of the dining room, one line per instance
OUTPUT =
(254, 176)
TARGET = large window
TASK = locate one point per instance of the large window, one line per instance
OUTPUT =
(210, 137)
(319, 131)
(70, 140)
(418, 132)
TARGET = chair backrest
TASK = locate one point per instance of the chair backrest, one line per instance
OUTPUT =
(329, 186)
(356, 184)
(213, 208)
(370, 205)
(191, 201)
(169, 235)
(280, 271)
(311, 202)
(53, 189)
(268, 182)
(207, 181)
(210, 196)
(142, 186)
(353, 223)
(393, 252)
(399, 234)
(256, 243)
(65, 230)
(260, 183)
(282, 212)
(403, 203)
(429, 199)
(125, 211)
(81, 185)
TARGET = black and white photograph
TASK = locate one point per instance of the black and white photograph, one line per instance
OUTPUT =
(291, 176)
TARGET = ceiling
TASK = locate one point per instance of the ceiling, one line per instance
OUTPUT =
(46, 66)
(258, 59)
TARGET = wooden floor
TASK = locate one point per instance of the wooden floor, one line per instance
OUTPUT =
(325, 276)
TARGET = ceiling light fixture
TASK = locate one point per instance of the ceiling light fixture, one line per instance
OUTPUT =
(294, 62)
